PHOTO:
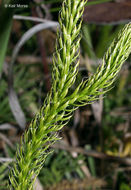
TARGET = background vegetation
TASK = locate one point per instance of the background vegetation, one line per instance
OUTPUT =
(95, 150)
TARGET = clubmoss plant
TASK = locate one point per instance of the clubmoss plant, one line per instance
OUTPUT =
(60, 104)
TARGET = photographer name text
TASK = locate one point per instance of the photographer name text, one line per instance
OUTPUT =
(15, 6)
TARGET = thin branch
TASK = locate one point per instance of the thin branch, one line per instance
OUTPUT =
(6, 140)
(34, 19)
(6, 126)
(92, 153)
(2, 159)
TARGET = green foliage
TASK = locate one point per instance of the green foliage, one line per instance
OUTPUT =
(5, 114)
(5, 29)
(26, 91)
(3, 176)
(105, 75)
(6, 19)
(87, 42)
(106, 35)
(124, 187)
(32, 154)
(59, 166)
(91, 162)
(60, 102)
